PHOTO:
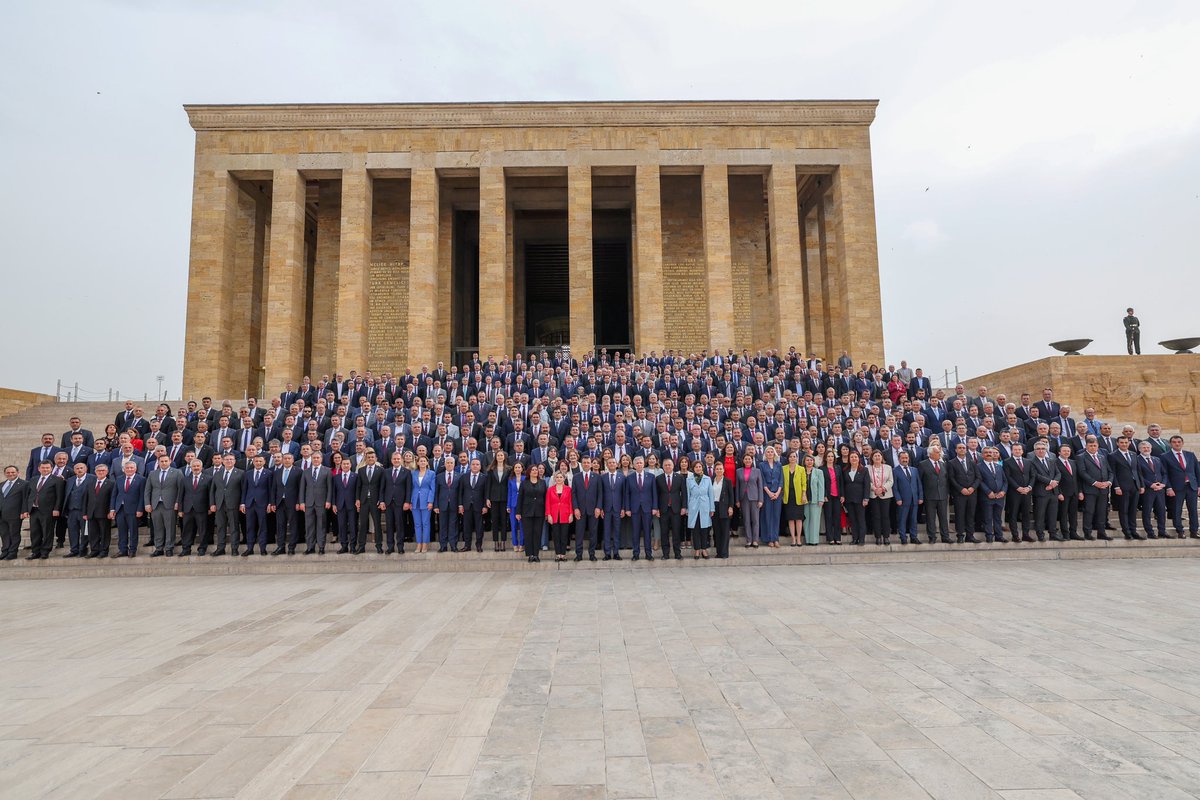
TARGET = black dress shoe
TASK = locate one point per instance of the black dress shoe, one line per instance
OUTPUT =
(308, 551)
(71, 555)
(342, 550)
(537, 559)
(636, 557)
(216, 553)
(649, 557)
(607, 557)
(44, 556)
(1104, 536)
(247, 554)
(616, 556)
(1136, 537)
(972, 540)
(321, 551)
(1075, 537)
(33, 557)
(592, 557)
(291, 551)
(156, 554)
(580, 558)
(478, 548)
(400, 551)
(187, 551)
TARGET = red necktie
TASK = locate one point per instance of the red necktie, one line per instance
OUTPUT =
(195, 481)
(1180, 457)
(937, 468)
(127, 482)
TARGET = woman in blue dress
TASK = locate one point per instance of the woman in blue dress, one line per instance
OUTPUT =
(514, 524)
(772, 509)
(424, 486)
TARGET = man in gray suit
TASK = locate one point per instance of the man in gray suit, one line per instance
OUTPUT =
(164, 489)
(316, 498)
(936, 488)
(225, 497)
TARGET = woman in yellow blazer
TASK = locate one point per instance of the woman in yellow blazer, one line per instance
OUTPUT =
(795, 485)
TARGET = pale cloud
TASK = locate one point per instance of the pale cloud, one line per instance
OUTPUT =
(926, 234)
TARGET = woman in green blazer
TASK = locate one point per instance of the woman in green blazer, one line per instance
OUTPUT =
(814, 502)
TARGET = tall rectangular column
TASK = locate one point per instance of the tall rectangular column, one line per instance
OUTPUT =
(423, 267)
(579, 237)
(787, 274)
(854, 203)
(814, 277)
(206, 369)
(649, 331)
(495, 307)
(722, 328)
(284, 356)
(325, 278)
(354, 270)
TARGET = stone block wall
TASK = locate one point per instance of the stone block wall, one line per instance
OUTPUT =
(387, 342)
(685, 273)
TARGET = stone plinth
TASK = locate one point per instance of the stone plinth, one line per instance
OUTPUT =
(1123, 389)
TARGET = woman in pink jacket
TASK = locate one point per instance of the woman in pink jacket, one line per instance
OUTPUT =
(559, 515)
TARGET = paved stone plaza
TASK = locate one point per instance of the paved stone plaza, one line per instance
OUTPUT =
(1022, 680)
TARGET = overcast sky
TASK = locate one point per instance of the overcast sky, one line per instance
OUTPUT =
(1037, 165)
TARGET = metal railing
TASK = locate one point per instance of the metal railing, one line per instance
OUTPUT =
(74, 393)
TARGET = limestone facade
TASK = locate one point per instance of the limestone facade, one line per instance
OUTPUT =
(1123, 389)
(327, 238)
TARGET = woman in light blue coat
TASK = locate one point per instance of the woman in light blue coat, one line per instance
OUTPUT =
(814, 503)
(700, 508)
(772, 508)
(424, 486)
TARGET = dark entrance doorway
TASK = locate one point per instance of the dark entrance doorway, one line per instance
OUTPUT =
(464, 295)
(612, 275)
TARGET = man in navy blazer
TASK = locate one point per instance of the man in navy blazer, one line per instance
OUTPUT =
(256, 496)
(1183, 482)
(919, 382)
(1127, 483)
(586, 499)
(909, 492)
(285, 496)
(993, 488)
(445, 506)
(1095, 481)
(641, 495)
(612, 509)
(127, 508)
(45, 452)
(345, 512)
(1154, 494)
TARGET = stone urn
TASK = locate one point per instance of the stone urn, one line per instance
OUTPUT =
(1181, 346)
(1070, 347)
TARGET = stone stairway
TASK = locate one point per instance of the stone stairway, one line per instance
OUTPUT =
(21, 432)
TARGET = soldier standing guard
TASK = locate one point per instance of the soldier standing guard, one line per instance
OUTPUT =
(1133, 336)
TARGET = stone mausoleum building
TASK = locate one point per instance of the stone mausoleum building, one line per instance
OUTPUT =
(327, 238)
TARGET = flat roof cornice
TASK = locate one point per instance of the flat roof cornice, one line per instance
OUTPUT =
(317, 116)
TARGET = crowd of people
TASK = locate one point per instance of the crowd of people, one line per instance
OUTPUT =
(611, 453)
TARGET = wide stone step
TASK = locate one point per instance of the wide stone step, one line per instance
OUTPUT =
(143, 565)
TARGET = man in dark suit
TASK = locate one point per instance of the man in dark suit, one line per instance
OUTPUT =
(935, 487)
(964, 483)
(127, 508)
(641, 498)
(671, 488)
(369, 502)
(1127, 483)
(1018, 471)
(909, 491)
(225, 498)
(194, 506)
(586, 499)
(1095, 479)
(43, 508)
(445, 506)
(75, 502)
(1046, 478)
(13, 500)
(1048, 409)
(613, 508)
(1069, 496)
(1154, 496)
(919, 383)
(256, 496)
(472, 501)
(1183, 483)
(46, 452)
(76, 426)
(345, 509)
(98, 513)
(397, 497)
(993, 488)
(285, 497)
(316, 499)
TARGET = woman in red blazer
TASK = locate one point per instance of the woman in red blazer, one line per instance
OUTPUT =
(559, 514)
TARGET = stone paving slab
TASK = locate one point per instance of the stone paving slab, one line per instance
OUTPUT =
(1000, 679)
